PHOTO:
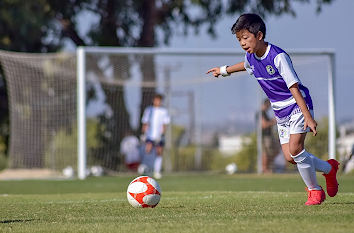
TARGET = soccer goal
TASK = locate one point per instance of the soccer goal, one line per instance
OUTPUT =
(75, 109)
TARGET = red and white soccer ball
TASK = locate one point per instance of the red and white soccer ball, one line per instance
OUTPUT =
(144, 192)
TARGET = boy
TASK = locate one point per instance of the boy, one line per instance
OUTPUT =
(155, 120)
(290, 100)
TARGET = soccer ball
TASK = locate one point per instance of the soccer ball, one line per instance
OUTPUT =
(231, 168)
(144, 192)
(97, 171)
(68, 172)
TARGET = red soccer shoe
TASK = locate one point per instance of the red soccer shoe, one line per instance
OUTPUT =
(315, 197)
(331, 178)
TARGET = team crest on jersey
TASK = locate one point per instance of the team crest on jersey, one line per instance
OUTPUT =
(270, 69)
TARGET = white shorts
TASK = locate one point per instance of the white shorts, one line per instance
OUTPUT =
(294, 125)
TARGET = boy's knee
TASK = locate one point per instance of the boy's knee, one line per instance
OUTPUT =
(290, 160)
(288, 157)
(296, 149)
(159, 151)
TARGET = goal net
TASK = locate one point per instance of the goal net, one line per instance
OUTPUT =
(42, 100)
(64, 105)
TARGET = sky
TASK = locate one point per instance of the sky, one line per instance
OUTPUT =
(331, 28)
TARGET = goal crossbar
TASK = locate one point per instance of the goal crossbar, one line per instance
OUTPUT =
(81, 77)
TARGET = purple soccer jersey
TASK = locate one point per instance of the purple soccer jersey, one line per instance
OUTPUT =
(275, 73)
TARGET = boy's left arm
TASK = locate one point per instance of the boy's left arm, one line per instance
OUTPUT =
(309, 121)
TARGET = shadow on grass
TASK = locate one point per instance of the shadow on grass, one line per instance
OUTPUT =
(17, 220)
(172, 207)
(341, 203)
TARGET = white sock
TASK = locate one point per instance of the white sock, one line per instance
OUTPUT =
(158, 164)
(320, 165)
(307, 170)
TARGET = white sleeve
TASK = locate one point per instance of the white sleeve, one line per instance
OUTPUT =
(248, 66)
(285, 67)
(145, 119)
(166, 119)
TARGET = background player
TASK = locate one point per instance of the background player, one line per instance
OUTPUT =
(129, 147)
(290, 100)
(270, 148)
(155, 120)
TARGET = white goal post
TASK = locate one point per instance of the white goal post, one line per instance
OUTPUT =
(83, 52)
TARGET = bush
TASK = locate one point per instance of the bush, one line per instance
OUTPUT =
(212, 159)
(3, 162)
(62, 151)
(245, 159)
(3, 149)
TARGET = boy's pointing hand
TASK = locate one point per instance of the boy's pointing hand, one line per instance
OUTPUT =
(215, 71)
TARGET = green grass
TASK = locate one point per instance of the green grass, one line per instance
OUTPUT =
(190, 203)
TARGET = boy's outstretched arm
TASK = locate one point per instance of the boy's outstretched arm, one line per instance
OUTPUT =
(229, 69)
(309, 121)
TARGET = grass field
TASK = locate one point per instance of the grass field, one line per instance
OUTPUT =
(189, 203)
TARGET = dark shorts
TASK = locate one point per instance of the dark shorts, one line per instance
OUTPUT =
(270, 147)
(156, 143)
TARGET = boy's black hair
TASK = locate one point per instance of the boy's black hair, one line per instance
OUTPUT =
(252, 22)
(159, 96)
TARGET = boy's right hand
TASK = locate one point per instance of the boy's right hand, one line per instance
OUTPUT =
(312, 124)
(215, 71)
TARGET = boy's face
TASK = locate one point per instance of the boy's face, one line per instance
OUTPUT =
(248, 41)
(156, 102)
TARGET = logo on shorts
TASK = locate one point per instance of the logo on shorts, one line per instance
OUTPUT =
(282, 133)
(270, 69)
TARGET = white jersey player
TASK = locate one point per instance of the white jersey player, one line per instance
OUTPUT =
(155, 120)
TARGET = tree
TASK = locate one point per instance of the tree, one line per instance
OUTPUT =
(135, 23)
(45, 26)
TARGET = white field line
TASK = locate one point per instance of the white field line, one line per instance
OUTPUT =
(162, 197)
